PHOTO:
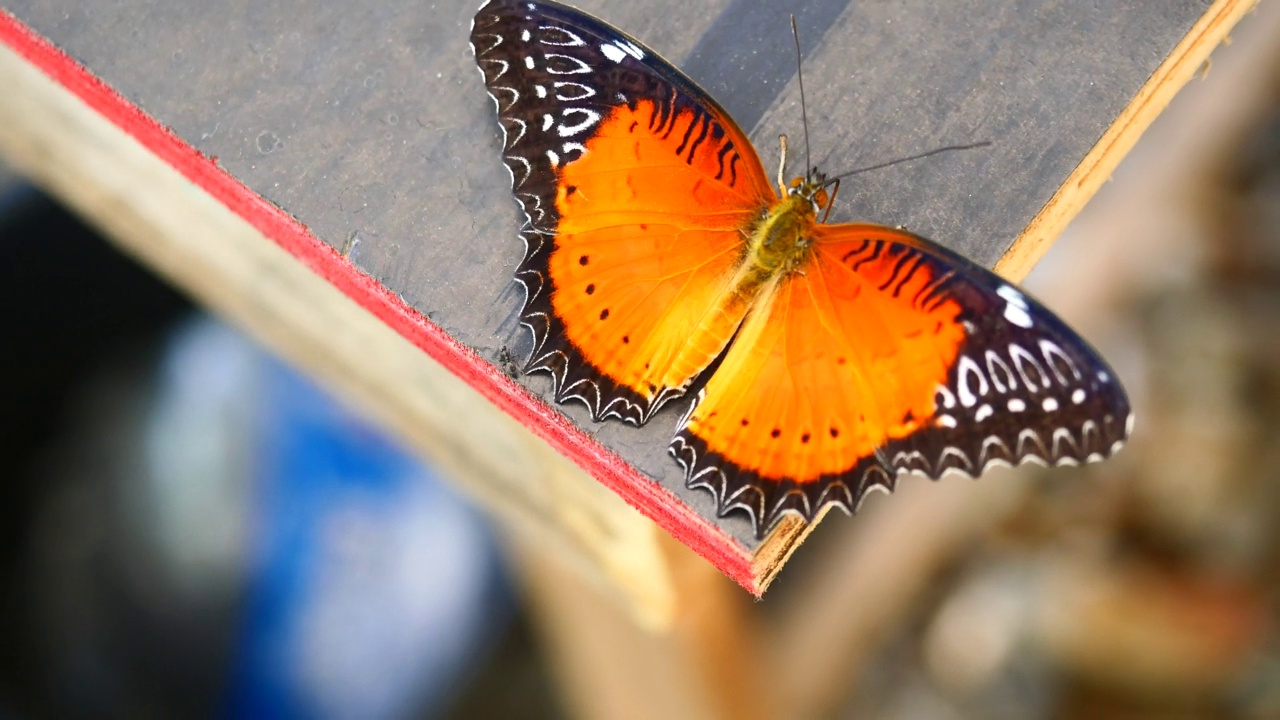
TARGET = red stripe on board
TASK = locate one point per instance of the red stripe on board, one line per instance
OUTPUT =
(640, 492)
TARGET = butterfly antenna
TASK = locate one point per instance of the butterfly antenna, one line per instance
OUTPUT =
(835, 192)
(804, 112)
(878, 166)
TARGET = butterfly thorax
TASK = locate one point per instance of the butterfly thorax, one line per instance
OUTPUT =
(780, 243)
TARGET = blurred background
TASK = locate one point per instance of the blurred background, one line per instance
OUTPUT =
(188, 527)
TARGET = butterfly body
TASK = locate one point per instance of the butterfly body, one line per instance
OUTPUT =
(782, 243)
(844, 354)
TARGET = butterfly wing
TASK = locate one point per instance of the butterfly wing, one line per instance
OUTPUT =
(890, 354)
(637, 187)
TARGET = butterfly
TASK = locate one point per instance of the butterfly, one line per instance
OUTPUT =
(824, 359)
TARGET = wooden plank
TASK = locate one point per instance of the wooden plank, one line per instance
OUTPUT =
(187, 231)
(369, 125)
(1189, 56)
(705, 665)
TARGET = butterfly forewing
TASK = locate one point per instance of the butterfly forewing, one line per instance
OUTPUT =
(636, 186)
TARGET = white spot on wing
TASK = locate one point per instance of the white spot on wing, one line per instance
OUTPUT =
(613, 52)
(583, 91)
(528, 62)
(1054, 357)
(983, 413)
(547, 121)
(554, 158)
(1022, 359)
(968, 370)
(1050, 404)
(540, 91)
(578, 67)
(1008, 382)
(1016, 309)
(1077, 397)
(568, 38)
(1010, 294)
(945, 397)
(1016, 405)
(631, 49)
(589, 118)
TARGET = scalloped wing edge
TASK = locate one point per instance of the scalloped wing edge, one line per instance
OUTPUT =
(807, 500)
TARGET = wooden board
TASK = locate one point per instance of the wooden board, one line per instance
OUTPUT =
(369, 125)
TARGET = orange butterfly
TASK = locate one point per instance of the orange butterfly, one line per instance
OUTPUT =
(848, 354)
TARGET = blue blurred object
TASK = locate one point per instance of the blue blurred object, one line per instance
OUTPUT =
(373, 585)
(370, 588)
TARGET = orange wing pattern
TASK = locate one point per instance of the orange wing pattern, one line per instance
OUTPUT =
(637, 189)
(889, 354)
(849, 354)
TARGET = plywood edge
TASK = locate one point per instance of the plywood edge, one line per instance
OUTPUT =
(1176, 71)
(182, 215)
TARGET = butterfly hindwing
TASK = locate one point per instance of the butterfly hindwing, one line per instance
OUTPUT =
(636, 185)
(889, 354)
